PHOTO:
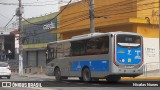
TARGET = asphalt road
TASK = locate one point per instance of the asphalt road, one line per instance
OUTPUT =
(51, 84)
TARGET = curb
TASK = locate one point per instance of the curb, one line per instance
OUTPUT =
(141, 78)
(39, 76)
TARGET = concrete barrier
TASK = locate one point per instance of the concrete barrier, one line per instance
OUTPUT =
(30, 70)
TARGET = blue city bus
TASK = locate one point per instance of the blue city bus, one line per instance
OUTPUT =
(95, 56)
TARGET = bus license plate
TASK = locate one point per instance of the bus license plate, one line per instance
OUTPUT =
(129, 67)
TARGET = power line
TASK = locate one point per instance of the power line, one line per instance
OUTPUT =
(4, 16)
(111, 14)
(50, 19)
(103, 11)
(4, 0)
(73, 18)
(46, 3)
(16, 4)
(126, 7)
(40, 2)
(10, 21)
(81, 19)
(123, 3)
(122, 9)
(114, 9)
(76, 20)
(85, 4)
(108, 7)
(87, 1)
(130, 11)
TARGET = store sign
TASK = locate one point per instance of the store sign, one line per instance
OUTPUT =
(49, 26)
(40, 33)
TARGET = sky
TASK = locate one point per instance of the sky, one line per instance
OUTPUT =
(30, 11)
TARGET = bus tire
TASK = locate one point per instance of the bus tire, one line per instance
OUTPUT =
(64, 78)
(57, 74)
(80, 78)
(113, 78)
(86, 75)
(95, 79)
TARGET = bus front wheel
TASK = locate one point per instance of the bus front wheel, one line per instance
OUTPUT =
(86, 75)
(57, 74)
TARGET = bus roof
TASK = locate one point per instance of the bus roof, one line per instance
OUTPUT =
(121, 32)
(87, 36)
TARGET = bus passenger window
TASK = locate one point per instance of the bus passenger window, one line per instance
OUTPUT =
(105, 46)
(98, 45)
(92, 46)
(67, 48)
(78, 48)
(50, 54)
(60, 50)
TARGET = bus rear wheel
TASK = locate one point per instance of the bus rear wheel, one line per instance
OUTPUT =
(57, 74)
(80, 78)
(86, 75)
(113, 78)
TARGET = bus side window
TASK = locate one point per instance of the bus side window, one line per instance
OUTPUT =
(48, 55)
(105, 45)
(60, 50)
(92, 47)
(78, 48)
(98, 45)
(67, 48)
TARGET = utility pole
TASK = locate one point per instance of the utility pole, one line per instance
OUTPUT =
(19, 14)
(91, 12)
(159, 33)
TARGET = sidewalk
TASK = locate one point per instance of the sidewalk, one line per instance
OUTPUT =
(47, 77)
(35, 75)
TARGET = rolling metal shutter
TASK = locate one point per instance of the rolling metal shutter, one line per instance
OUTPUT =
(32, 60)
(41, 58)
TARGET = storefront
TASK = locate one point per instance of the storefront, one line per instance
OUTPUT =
(37, 36)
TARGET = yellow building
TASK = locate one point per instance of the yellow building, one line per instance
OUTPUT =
(140, 16)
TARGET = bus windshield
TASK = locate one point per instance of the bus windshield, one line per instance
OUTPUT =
(128, 40)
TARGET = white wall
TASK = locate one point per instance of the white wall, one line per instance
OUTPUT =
(151, 53)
